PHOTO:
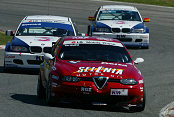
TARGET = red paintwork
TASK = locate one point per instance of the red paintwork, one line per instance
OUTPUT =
(73, 90)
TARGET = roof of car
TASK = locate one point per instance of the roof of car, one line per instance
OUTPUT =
(47, 17)
(90, 38)
(119, 7)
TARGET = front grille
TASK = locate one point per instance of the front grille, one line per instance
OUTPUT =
(34, 62)
(117, 30)
(36, 49)
(125, 39)
(47, 50)
(126, 30)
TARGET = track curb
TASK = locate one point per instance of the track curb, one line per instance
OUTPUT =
(2, 46)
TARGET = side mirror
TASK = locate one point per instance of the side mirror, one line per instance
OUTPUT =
(9, 33)
(48, 56)
(146, 20)
(91, 18)
(139, 60)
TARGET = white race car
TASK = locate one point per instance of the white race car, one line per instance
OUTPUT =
(120, 22)
(34, 37)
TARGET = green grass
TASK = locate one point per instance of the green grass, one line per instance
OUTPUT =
(4, 39)
(169, 3)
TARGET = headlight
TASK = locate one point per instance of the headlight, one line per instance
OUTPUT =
(19, 49)
(128, 81)
(102, 30)
(141, 30)
(70, 79)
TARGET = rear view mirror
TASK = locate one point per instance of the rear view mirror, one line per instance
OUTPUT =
(48, 56)
(146, 20)
(139, 60)
(91, 18)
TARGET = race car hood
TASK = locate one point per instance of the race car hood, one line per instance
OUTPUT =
(34, 40)
(91, 69)
(119, 24)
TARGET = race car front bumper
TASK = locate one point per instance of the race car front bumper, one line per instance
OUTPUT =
(128, 39)
(22, 60)
(90, 94)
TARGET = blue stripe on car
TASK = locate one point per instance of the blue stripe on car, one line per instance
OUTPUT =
(46, 24)
(15, 42)
(101, 25)
(140, 25)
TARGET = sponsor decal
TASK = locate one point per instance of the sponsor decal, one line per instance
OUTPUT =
(106, 63)
(122, 92)
(9, 56)
(33, 24)
(120, 22)
(77, 42)
(43, 39)
(100, 70)
(44, 20)
(86, 89)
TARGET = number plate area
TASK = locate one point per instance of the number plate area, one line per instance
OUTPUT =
(121, 92)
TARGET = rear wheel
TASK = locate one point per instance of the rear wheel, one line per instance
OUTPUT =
(4, 68)
(40, 88)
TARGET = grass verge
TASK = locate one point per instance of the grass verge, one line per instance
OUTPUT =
(4, 39)
(169, 3)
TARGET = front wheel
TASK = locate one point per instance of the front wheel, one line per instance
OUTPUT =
(48, 99)
(40, 88)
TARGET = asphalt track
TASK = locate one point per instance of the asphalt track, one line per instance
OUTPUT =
(18, 89)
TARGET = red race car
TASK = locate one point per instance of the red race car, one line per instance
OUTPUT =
(95, 70)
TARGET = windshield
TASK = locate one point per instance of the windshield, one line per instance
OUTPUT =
(45, 29)
(94, 52)
(119, 15)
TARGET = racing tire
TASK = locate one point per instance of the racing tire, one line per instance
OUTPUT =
(138, 108)
(40, 89)
(48, 99)
(5, 68)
